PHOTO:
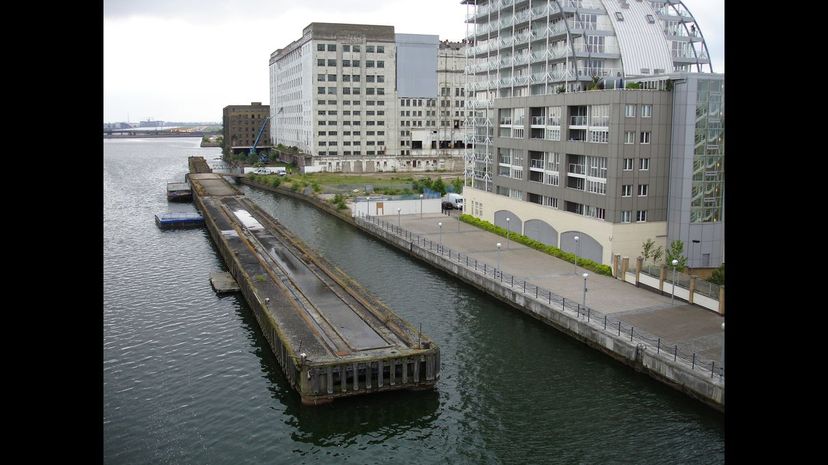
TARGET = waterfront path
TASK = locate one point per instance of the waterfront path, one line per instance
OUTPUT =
(693, 328)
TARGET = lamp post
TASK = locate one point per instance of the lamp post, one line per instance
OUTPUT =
(440, 224)
(577, 253)
(507, 232)
(723, 342)
(673, 294)
(399, 224)
(369, 205)
(498, 258)
(586, 275)
(421, 206)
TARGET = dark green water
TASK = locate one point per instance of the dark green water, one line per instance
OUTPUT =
(188, 378)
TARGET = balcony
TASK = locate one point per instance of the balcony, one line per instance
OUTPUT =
(536, 163)
(578, 120)
(577, 169)
(538, 120)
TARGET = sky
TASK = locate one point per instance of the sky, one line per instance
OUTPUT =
(185, 60)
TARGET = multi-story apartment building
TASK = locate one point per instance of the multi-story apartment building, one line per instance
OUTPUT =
(560, 144)
(242, 124)
(336, 94)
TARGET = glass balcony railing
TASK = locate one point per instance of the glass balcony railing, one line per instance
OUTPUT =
(577, 120)
(577, 169)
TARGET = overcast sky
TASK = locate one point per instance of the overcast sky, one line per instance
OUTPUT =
(185, 60)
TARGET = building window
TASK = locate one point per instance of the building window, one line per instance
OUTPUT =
(380, 49)
(628, 164)
(643, 189)
(380, 64)
(356, 49)
(355, 63)
(626, 216)
(346, 63)
(320, 90)
(369, 63)
(320, 47)
(643, 164)
(626, 190)
(331, 47)
(369, 49)
(646, 111)
(645, 137)
(641, 216)
(346, 48)
(331, 62)
(320, 62)
(629, 111)
(629, 137)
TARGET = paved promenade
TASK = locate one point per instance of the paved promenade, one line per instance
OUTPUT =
(693, 328)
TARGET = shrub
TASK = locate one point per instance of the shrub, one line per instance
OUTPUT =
(529, 242)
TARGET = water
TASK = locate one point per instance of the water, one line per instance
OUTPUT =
(189, 379)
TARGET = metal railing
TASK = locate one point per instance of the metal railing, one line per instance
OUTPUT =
(703, 287)
(663, 348)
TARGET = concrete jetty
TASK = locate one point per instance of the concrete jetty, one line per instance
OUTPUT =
(332, 338)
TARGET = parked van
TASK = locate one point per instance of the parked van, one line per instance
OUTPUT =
(281, 170)
(455, 200)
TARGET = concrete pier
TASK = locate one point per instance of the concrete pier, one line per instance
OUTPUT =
(331, 337)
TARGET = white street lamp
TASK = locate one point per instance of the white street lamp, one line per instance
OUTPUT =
(399, 224)
(577, 253)
(440, 224)
(507, 232)
(498, 258)
(586, 275)
(673, 294)
(421, 206)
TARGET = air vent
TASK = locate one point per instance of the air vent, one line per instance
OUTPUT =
(645, 70)
(619, 16)
(650, 19)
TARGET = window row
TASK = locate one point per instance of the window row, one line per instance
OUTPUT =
(350, 78)
(646, 110)
(355, 112)
(350, 133)
(643, 190)
(350, 48)
(351, 123)
(640, 216)
(643, 164)
(348, 102)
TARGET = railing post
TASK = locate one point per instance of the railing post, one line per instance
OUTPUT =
(631, 332)
(550, 297)
(675, 353)
(512, 281)
(712, 367)
(536, 292)
(524, 286)
(639, 262)
(661, 276)
(692, 289)
(619, 327)
(658, 347)
(693, 366)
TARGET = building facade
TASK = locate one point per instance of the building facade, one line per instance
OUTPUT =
(587, 119)
(360, 98)
(241, 125)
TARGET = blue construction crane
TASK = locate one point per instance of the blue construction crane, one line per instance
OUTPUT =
(256, 142)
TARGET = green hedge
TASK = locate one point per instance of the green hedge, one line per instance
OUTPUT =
(529, 242)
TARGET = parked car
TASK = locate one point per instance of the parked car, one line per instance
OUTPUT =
(448, 205)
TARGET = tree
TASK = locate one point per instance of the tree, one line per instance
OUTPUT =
(718, 276)
(647, 249)
(439, 186)
(657, 254)
(675, 252)
(458, 185)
